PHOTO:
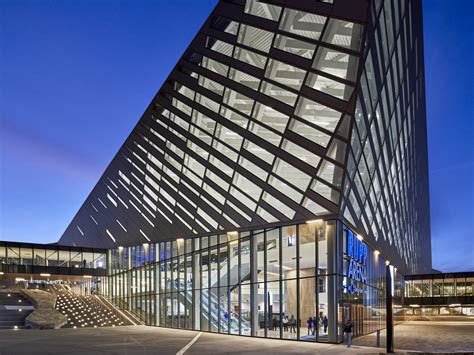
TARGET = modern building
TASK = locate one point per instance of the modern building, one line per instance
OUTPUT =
(280, 167)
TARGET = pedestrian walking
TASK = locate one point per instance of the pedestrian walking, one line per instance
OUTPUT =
(325, 324)
(348, 331)
(309, 323)
(292, 324)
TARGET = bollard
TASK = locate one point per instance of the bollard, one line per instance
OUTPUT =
(378, 338)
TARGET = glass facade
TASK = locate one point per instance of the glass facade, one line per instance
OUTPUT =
(277, 113)
(31, 258)
(288, 282)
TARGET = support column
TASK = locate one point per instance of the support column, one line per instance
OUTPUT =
(332, 234)
(196, 287)
(388, 276)
(253, 286)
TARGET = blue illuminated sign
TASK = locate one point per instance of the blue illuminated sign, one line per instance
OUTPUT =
(356, 250)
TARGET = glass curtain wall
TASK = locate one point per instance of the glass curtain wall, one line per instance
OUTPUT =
(282, 282)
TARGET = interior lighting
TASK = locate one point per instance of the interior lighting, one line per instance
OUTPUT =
(387, 262)
(376, 252)
(314, 221)
(455, 305)
(45, 275)
(359, 237)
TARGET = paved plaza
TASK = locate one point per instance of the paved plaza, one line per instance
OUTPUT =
(412, 336)
(445, 337)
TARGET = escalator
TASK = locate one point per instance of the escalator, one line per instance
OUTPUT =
(211, 309)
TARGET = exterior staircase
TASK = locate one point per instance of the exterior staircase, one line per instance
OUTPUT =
(14, 308)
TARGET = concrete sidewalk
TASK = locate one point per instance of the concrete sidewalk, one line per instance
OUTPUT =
(427, 337)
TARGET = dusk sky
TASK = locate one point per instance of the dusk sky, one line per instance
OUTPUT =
(75, 77)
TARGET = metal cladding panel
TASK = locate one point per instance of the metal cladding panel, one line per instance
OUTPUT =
(258, 125)
(251, 128)
(387, 190)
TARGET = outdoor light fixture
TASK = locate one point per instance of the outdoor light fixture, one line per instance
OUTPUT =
(19, 279)
(45, 275)
(87, 276)
(2, 273)
(455, 305)
(387, 262)
(359, 237)
(120, 248)
(414, 305)
(376, 252)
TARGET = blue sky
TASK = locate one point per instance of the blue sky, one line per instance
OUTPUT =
(75, 76)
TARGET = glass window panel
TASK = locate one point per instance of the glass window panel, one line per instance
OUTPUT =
(87, 259)
(215, 66)
(246, 186)
(63, 258)
(270, 117)
(343, 33)
(301, 153)
(288, 172)
(238, 101)
(265, 133)
(220, 46)
(234, 117)
(325, 191)
(329, 86)
(302, 23)
(228, 136)
(331, 173)
(337, 150)
(285, 74)
(273, 254)
(285, 189)
(212, 85)
(307, 241)
(289, 303)
(309, 132)
(261, 9)
(258, 151)
(52, 258)
(184, 90)
(277, 204)
(244, 78)
(207, 102)
(249, 57)
(295, 46)
(253, 168)
(288, 248)
(26, 256)
(317, 114)
(314, 207)
(336, 63)
(278, 93)
(255, 38)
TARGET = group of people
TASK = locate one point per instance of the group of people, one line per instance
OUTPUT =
(287, 323)
(317, 322)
